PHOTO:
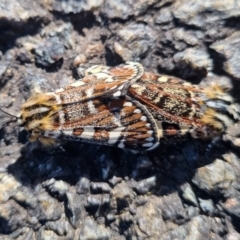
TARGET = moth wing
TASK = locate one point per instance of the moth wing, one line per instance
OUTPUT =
(123, 123)
(110, 82)
(149, 77)
(173, 108)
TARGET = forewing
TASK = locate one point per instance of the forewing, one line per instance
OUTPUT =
(100, 81)
(123, 123)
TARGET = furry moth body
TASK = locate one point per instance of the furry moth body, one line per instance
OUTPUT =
(124, 107)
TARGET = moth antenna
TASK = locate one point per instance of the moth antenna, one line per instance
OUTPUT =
(13, 118)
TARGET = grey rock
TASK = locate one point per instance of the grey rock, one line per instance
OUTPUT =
(74, 6)
(207, 206)
(63, 32)
(134, 41)
(75, 208)
(122, 191)
(47, 234)
(61, 228)
(58, 187)
(149, 219)
(24, 56)
(214, 177)
(49, 52)
(232, 205)
(100, 187)
(192, 38)
(21, 10)
(10, 153)
(229, 50)
(164, 16)
(50, 209)
(175, 211)
(124, 9)
(12, 217)
(118, 9)
(232, 234)
(84, 191)
(115, 180)
(143, 6)
(26, 197)
(190, 59)
(94, 49)
(233, 160)
(199, 14)
(83, 186)
(213, 78)
(22, 233)
(233, 134)
(198, 228)
(4, 66)
(91, 230)
(144, 186)
(97, 200)
(8, 187)
(188, 194)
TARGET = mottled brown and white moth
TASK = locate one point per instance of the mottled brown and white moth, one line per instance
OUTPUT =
(124, 106)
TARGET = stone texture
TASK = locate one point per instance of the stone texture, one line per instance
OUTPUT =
(21, 10)
(84, 191)
(199, 14)
(214, 177)
(91, 230)
(74, 6)
(134, 41)
(228, 49)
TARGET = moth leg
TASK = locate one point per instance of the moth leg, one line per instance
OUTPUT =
(211, 145)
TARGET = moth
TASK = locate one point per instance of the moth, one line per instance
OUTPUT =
(124, 106)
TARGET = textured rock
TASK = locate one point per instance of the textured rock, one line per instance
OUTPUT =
(232, 205)
(50, 209)
(58, 187)
(228, 49)
(124, 9)
(84, 191)
(91, 230)
(134, 41)
(189, 195)
(75, 210)
(199, 14)
(118, 9)
(49, 52)
(193, 58)
(214, 177)
(74, 6)
(61, 228)
(145, 185)
(207, 206)
(21, 10)
(149, 220)
(164, 16)
(8, 187)
(12, 217)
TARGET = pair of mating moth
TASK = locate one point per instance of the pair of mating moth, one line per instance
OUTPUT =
(124, 106)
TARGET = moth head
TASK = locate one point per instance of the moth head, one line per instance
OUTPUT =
(37, 112)
(36, 116)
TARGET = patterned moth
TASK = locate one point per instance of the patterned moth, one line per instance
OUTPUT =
(123, 106)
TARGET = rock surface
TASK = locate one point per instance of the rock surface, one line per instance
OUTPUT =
(84, 191)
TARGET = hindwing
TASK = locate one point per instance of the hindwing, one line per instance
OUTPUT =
(123, 123)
